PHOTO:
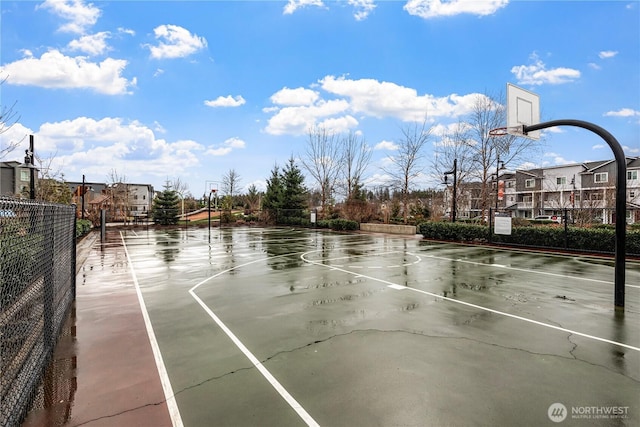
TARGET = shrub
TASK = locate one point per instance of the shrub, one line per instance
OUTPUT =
(596, 239)
(341, 224)
(82, 227)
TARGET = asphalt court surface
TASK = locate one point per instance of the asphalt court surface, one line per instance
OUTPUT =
(279, 327)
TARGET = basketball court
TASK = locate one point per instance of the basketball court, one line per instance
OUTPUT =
(255, 326)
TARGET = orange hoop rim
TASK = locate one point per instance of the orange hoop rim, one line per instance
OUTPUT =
(498, 132)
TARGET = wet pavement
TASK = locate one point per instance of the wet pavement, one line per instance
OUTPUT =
(292, 327)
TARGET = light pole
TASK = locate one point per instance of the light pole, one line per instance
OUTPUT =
(499, 167)
(29, 163)
(82, 206)
(453, 171)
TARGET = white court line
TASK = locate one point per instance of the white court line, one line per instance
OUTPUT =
(170, 398)
(482, 264)
(254, 360)
(513, 316)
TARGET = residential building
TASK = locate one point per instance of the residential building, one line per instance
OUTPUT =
(120, 199)
(15, 179)
(588, 187)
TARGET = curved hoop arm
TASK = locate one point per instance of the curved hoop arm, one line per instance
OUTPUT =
(621, 196)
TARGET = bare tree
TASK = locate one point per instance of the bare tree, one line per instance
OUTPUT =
(8, 118)
(454, 145)
(484, 154)
(230, 182)
(322, 160)
(180, 187)
(406, 165)
(118, 190)
(253, 197)
(356, 156)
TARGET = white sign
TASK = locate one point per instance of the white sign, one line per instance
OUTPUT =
(313, 217)
(502, 225)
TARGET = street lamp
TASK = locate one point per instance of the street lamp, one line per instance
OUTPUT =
(30, 164)
(499, 167)
(453, 171)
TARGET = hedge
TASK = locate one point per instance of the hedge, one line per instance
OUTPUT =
(82, 227)
(577, 238)
(338, 224)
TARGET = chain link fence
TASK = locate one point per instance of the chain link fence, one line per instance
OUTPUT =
(37, 288)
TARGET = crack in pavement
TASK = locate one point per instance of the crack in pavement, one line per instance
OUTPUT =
(355, 331)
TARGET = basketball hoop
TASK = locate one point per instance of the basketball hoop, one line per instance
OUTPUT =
(507, 130)
(498, 132)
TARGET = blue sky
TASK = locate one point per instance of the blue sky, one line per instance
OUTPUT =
(159, 90)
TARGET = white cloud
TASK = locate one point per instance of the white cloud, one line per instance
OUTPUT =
(623, 112)
(594, 66)
(557, 159)
(386, 99)
(79, 15)
(109, 143)
(297, 120)
(293, 5)
(362, 8)
(226, 101)
(126, 31)
(386, 145)
(55, 70)
(94, 44)
(298, 96)
(339, 124)
(305, 108)
(16, 134)
(175, 42)
(598, 147)
(537, 74)
(435, 8)
(227, 147)
(607, 54)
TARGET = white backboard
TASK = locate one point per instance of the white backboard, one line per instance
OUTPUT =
(523, 108)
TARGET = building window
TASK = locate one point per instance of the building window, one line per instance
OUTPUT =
(526, 199)
(135, 197)
(144, 197)
(24, 175)
(529, 183)
(596, 196)
(601, 177)
(561, 180)
(632, 194)
(632, 175)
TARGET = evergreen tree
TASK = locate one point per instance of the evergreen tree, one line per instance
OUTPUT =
(295, 193)
(165, 210)
(272, 200)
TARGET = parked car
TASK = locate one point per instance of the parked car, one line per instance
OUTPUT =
(554, 218)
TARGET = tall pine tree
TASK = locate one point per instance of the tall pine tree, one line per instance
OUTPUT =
(295, 193)
(165, 209)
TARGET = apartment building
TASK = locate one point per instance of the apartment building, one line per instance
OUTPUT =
(120, 199)
(15, 178)
(587, 187)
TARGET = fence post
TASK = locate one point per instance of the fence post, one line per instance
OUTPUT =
(74, 248)
(48, 284)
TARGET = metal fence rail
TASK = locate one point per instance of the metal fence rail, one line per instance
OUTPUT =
(37, 287)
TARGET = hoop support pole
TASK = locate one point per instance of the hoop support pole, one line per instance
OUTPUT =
(621, 197)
